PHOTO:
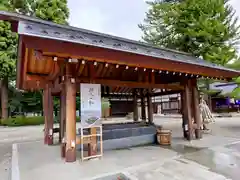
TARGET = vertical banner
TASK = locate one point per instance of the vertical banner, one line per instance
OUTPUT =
(91, 109)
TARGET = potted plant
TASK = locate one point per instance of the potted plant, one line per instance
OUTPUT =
(105, 108)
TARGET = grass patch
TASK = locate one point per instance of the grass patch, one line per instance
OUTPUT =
(23, 121)
(27, 121)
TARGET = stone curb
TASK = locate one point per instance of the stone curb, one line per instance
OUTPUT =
(15, 168)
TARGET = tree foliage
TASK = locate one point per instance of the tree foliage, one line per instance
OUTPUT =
(236, 91)
(55, 10)
(8, 44)
(51, 10)
(206, 28)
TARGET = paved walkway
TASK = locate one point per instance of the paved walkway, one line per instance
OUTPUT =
(224, 131)
(151, 162)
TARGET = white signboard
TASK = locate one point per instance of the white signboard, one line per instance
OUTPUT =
(91, 109)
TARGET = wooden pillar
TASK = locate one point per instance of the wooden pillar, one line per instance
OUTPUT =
(184, 115)
(70, 88)
(135, 105)
(150, 107)
(48, 115)
(196, 110)
(45, 112)
(143, 110)
(188, 108)
(62, 115)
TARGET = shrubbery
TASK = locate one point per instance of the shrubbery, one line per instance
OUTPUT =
(26, 121)
(23, 121)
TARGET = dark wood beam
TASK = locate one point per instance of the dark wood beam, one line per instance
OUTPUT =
(166, 93)
(130, 84)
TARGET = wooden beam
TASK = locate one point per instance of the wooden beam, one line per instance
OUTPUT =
(80, 70)
(99, 69)
(24, 67)
(166, 93)
(20, 62)
(55, 71)
(147, 80)
(110, 69)
(130, 84)
(153, 77)
(92, 72)
(104, 71)
(53, 48)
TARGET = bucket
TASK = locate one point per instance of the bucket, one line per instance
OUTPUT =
(164, 137)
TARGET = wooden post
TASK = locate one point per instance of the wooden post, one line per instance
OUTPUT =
(184, 113)
(48, 115)
(135, 105)
(70, 87)
(45, 112)
(143, 110)
(196, 113)
(150, 107)
(62, 115)
(188, 109)
(92, 146)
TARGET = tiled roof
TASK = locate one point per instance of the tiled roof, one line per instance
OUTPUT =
(225, 88)
(45, 29)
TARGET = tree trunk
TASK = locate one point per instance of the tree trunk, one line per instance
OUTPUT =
(4, 98)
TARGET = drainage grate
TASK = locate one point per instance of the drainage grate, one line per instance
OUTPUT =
(118, 176)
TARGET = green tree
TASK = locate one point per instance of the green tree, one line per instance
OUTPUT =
(207, 29)
(56, 11)
(236, 91)
(24, 7)
(8, 50)
(8, 42)
(52, 10)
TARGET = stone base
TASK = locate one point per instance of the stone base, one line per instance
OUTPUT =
(48, 139)
(120, 136)
(198, 133)
(70, 155)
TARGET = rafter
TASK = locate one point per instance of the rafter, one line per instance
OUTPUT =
(130, 84)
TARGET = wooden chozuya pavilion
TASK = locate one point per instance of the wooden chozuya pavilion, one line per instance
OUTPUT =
(57, 58)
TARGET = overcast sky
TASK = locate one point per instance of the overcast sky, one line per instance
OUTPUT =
(116, 17)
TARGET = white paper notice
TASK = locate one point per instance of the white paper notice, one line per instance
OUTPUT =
(91, 109)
